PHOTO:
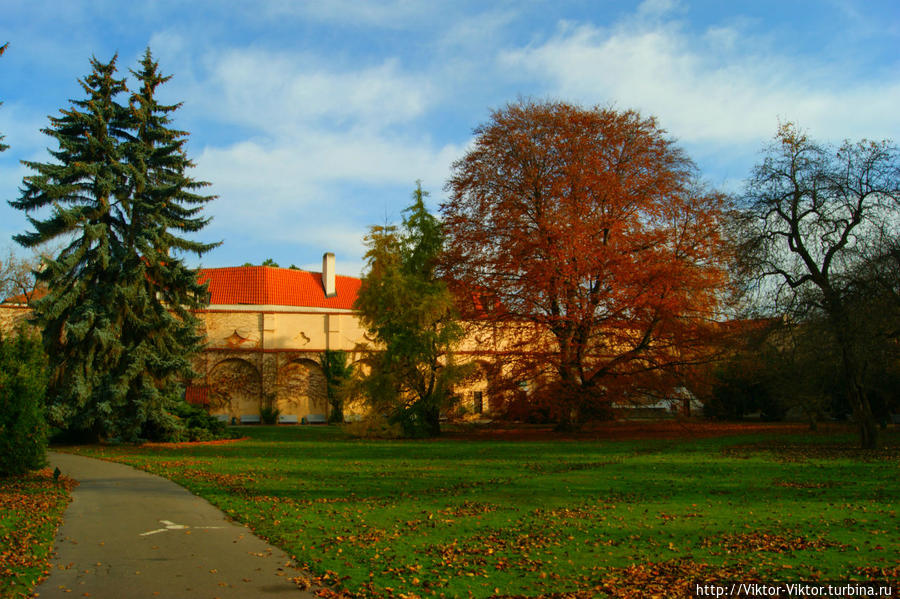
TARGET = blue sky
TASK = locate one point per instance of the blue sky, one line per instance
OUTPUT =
(313, 120)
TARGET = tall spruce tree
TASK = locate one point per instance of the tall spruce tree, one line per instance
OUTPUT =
(116, 320)
(83, 190)
(165, 207)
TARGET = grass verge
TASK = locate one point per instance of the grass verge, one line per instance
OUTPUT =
(31, 508)
(622, 518)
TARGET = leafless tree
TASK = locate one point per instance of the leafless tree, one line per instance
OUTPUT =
(17, 276)
(819, 223)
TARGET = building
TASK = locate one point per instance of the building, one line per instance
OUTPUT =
(266, 329)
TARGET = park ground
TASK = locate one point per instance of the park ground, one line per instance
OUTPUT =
(31, 508)
(628, 509)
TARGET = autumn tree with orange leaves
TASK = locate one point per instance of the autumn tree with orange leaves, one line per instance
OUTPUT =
(589, 229)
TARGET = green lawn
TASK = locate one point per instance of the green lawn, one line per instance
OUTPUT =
(453, 517)
(31, 507)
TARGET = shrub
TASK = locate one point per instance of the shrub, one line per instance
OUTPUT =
(23, 381)
(374, 426)
(338, 374)
(742, 386)
(186, 422)
(549, 403)
(524, 408)
(269, 415)
(201, 426)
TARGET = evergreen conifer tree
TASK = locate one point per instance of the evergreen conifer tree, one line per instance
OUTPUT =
(116, 320)
(83, 189)
(411, 315)
(165, 206)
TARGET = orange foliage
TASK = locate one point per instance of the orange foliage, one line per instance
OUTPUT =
(589, 225)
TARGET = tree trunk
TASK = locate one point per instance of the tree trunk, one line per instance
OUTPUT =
(570, 400)
(570, 421)
(432, 417)
(862, 413)
(856, 393)
(336, 415)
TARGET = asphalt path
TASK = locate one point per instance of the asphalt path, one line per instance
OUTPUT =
(130, 534)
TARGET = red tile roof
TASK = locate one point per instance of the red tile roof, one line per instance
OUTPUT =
(267, 285)
(262, 285)
(22, 299)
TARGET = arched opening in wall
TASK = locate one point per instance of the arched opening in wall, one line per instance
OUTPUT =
(235, 388)
(301, 389)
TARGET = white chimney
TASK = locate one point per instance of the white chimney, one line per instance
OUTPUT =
(328, 274)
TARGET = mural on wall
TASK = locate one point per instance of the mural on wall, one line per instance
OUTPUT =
(237, 339)
(301, 388)
(234, 388)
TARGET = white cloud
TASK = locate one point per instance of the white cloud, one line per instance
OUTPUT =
(277, 93)
(21, 127)
(724, 87)
(654, 9)
(312, 134)
(171, 47)
(302, 176)
(381, 13)
(473, 33)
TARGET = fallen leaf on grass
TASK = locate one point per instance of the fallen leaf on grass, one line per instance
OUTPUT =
(673, 579)
(35, 501)
(770, 542)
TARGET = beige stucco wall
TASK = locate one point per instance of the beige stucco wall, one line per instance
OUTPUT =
(12, 317)
(270, 358)
(257, 356)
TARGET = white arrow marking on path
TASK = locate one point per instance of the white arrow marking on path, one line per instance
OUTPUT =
(169, 525)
